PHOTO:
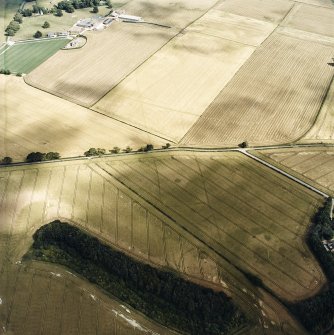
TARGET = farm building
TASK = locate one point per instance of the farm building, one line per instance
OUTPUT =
(130, 18)
(86, 23)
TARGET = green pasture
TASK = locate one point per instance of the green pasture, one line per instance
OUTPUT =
(26, 56)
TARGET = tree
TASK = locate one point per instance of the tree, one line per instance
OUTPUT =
(166, 146)
(6, 160)
(10, 32)
(243, 144)
(35, 157)
(26, 12)
(38, 34)
(46, 24)
(115, 150)
(95, 152)
(19, 74)
(59, 12)
(109, 4)
(70, 9)
(149, 147)
(13, 26)
(127, 149)
(95, 9)
(18, 18)
(51, 156)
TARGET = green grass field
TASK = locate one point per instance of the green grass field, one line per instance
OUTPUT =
(24, 57)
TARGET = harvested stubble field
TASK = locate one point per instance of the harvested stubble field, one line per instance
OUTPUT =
(25, 56)
(232, 27)
(170, 91)
(312, 19)
(236, 206)
(45, 299)
(274, 98)
(150, 209)
(178, 14)
(264, 10)
(323, 128)
(315, 164)
(85, 75)
(32, 120)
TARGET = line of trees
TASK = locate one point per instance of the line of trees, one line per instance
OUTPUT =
(40, 156)
(161, 295)
(317, 313)
(117, 150)
(14, 25)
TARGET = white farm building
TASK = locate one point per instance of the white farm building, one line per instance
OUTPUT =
(130, 18)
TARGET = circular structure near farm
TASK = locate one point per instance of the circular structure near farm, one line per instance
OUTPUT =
(77, 43)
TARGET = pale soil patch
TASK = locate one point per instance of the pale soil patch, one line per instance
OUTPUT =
(323, 129)
(310, 18)
(265, 10)
(274, 98)
(315, 164)
(85, 75)
(32, 120)
(171, 90)
(233, 27)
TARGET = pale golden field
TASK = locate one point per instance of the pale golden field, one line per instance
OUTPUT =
(170, 91)
(84, 75)
(45, 299)
(323, 128)
(178, 14)
(32, 120)
(314, 164)
(264, 10)
(239, 208)
(276, 104)
(196, 214)
(310, 18)
(232, 27)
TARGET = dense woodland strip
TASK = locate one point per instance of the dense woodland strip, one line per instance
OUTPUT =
(317, 313)
(161, 295)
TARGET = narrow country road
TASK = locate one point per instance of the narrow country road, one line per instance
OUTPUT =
(314, 189)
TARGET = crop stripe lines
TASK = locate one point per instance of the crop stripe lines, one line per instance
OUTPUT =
(233, 238)
(247, 230)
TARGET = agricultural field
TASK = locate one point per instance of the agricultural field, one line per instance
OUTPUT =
(175, 95)
(238, 207)
(39, 298)
(84, 75)
(232, 27)
(178, 14)
(307, 18)
(264, 10)
(323, 128)
(168, 211)
(25, 56)
(278, 104)
(313, 164)
(32, 120)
